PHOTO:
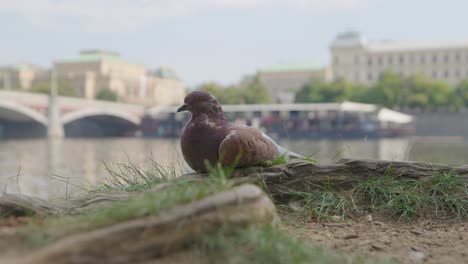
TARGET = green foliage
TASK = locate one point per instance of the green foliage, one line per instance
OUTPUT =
(391, 90)
(280, 160)
(388, 90)
(445, 195)
(319, 91)
(62, 89)
(460, 98)
(225, 95)
(324, 202)
(220, 174)
(130, 177)
(267, 245)
(449, 194)
(107, 95)
(254, 93)
(150, 203)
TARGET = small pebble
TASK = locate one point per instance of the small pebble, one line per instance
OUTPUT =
(416, 256)
(350, 236)
(336, 218)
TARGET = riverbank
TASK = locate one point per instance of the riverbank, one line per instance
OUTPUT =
(382, 217)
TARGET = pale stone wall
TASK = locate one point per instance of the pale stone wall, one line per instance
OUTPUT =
(22, 77)
(283, 84)
(132, 82)
(356, 60)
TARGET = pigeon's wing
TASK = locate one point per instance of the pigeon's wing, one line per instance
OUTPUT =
(246, 146)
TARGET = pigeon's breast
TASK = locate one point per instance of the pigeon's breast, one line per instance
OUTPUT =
(200, 141)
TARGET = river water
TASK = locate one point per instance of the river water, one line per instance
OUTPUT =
(59, 168)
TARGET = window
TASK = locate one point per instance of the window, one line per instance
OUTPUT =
(457, 73)
(423, 59)
(356, 76)
(390, 60)
(457, 57)
(434, 59)
(434, 75)
(369, 61)
(446, 58)
(446, 74)
(369, 76)
(379, 61)
(356, 59)
(402, 59)
(335, 60)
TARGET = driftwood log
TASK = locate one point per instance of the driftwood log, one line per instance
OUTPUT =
(154, 236)
(344, 174)
(280, 180)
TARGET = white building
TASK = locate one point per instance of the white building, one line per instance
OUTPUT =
(359, 61)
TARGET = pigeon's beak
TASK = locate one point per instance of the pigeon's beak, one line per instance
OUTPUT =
(182, 108)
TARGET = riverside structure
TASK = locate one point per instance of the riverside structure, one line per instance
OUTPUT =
(321, 120)
(357, 60)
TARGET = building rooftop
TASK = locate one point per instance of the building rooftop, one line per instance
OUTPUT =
(383, 114)
(166, 73)
(22, 66)
(291, 67)
(354, 39)
(410, 46)
(92, 56)
(348, 39)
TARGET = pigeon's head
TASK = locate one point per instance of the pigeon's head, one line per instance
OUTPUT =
(200, 102)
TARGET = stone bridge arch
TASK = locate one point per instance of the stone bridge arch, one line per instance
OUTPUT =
(96, 122)
(19, 121)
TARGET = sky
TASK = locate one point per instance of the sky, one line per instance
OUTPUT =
(215, 40)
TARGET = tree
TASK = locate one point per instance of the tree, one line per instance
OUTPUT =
(107, 95)
(387, 91)
(225, 95)
(319, 92)
(460, 97)
(256, 93)
(62, 89)
(311, 92)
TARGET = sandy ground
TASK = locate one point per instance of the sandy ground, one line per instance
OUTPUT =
(422, 242)
(427, 241)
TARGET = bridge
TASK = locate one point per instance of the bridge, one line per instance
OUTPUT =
(25, 115)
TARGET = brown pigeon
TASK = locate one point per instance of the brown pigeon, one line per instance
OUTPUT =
(210, 136)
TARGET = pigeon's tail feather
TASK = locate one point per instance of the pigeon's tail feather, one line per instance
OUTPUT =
(289, 154)
(282, 151)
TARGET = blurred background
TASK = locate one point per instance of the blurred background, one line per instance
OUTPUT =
(84, 83)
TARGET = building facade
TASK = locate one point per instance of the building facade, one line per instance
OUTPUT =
(355, 59)
(21, 76)
(95, 70)
(283, 81)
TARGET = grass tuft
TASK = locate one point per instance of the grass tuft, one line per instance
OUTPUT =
(150, 203)
(267, 245)
(448, 194)
(269, 163)
(131, 177)
(325, 202)
(445, 194)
